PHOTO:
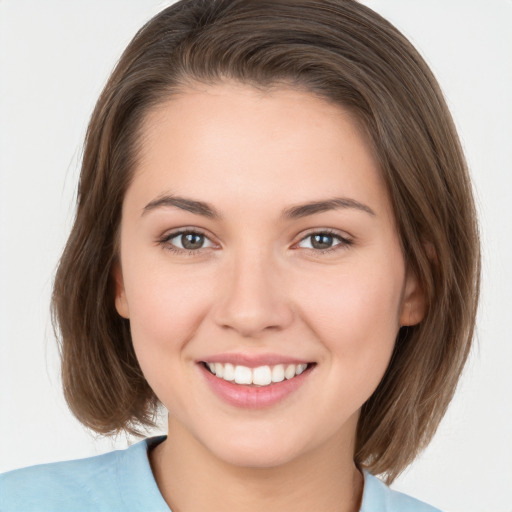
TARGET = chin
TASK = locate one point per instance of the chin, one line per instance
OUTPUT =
(258, 449)
(257, 457)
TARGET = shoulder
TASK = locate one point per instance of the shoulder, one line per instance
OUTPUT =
(378, 497)
(95, 483)
(81, 483)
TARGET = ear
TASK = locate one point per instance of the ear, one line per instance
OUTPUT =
(120, 300)
(413, 301)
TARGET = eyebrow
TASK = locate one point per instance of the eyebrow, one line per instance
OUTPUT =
(189, 205)
(293, 212)
(336, 203)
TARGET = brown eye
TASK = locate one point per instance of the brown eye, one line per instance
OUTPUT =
(191, 240)
(324, 241)
(186, 240)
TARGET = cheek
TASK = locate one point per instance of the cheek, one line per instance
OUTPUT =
(165, 311)
(356, 315)
(356, 300)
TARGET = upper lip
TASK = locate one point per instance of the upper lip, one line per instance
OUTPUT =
(253, 360)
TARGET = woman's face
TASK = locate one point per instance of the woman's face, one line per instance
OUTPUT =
(257, 238)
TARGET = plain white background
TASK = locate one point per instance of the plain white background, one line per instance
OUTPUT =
(54, 59)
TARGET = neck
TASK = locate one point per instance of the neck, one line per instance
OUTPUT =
(192, 479)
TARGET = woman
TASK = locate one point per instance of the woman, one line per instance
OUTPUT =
(275, 239)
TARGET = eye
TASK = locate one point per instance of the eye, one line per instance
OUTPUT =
(325, 241)
(186, 240)
(193, 242)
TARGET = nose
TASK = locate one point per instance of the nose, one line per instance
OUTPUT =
(253, 296)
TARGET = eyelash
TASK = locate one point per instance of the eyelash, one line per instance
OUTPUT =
(165, 241)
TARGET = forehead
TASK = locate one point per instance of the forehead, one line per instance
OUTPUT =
(232, 141)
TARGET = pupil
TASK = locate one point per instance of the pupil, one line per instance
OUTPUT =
(322, 241)
(192, 241)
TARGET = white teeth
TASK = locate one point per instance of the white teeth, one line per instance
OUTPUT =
(278, 373)
(243, 375)
(260, 376)
(229, 372)
(289, 373)
(301, 368)
(219, 370)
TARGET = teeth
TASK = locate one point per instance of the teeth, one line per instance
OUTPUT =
(243, 375)
(278, 373)
(229, 372)
(260, 376)
(301, 368)
(218, 369)
(289, 373)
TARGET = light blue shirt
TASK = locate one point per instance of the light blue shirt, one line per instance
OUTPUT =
(122, 481)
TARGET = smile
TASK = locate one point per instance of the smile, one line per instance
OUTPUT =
(249, 383)
(260, 376)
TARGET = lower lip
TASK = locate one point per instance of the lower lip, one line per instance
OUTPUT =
(249, 397)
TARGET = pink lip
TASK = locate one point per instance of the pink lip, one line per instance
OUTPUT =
(249, 397)
(253, 361)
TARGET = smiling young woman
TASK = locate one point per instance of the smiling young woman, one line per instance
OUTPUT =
(276, 240)
(253, 291)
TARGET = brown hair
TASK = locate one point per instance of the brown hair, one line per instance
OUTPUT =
(345, 53)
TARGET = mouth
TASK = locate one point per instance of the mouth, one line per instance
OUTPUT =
(258, 377)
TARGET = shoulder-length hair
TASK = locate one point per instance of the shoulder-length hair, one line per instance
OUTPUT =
(345, 53)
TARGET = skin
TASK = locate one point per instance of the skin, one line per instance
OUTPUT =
(258, 285)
